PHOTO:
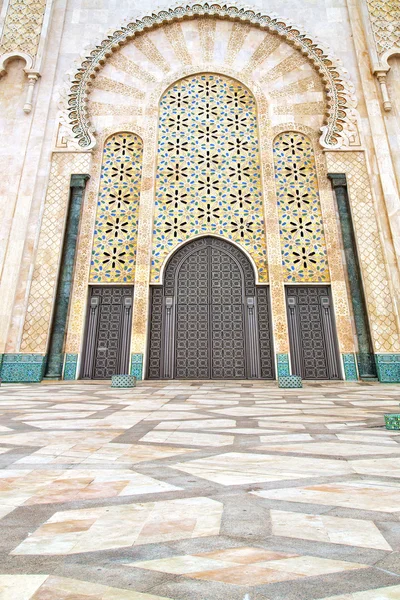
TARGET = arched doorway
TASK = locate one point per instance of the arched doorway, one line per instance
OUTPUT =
(209, 320)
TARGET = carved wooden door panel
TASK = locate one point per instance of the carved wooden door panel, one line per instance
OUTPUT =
(192, 317)
(313, 342)
(209, 320)
(107, 342)
(228, 351)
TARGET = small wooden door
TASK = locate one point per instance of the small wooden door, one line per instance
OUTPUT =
(313, 341)
(108, 332)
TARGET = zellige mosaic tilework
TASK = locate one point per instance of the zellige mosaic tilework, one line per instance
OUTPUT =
(115, 235)
(304, 256)
(208, 174)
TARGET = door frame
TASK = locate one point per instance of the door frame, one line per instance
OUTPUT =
(329, 330)
(167, 303)
(91, 323)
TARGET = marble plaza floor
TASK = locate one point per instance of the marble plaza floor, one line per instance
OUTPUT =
(199, 491)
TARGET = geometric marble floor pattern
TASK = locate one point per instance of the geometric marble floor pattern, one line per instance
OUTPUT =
(185, 490)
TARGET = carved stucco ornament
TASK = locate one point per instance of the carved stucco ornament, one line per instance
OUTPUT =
(340, 129)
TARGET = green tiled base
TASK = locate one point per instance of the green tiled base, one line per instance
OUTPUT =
(23, 368)
(137, 366)
(392, 421)
(388, 366)
(290, 381)
(70, 366)
(283, 365)
(350, 367)
(123, 381)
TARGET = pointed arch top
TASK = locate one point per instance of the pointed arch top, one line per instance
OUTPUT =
(339, 90)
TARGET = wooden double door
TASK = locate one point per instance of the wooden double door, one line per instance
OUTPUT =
(108, 332)
(312, 333)
(210, 320)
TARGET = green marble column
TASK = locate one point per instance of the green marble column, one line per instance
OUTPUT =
(56, 347)
(365, 356)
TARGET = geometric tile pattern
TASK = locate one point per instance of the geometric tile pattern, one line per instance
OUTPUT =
(115, 233)
(381, 312)
(123, 381)
(304, 256)
(209, 172)
(44, 278)
(70, 367)
(392, 421)
(385, 19)
(283, 365)
(22, 367)
(388, 366)
(22, 27)
(290, 381)
(293, 495)
(350, 368)
(137, 366)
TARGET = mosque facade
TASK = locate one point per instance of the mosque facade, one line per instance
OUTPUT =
(200, 190)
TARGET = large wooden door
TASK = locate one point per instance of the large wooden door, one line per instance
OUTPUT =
(210, 320)
(313, 342)
(108, 327)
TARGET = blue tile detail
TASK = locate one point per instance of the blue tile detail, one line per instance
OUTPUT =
(23, 368)
(392, 421)
(137, 366)
(290, 381)
(123, 381)
(350, 367)
(388, 366)
(283, 365)
(70, 367)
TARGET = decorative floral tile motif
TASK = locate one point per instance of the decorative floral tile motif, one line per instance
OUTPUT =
(115, 234)
(27, 368)
(209, 173)
(350, 368)
(283, 365)
(137, 366)
(70, 367)
(304, 256)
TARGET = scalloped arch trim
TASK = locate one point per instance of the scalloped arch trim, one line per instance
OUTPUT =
(335, 83)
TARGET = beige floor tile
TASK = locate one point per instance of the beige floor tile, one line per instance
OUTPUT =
(192, 438)
(246, 555)
(310, 566)
(182, 565)
(386, 467)
(332, 530)
(246, 575)
(235, 468)
(87, 530)
(20, 587)
(386, 593)
(364, 495)
(334, 448)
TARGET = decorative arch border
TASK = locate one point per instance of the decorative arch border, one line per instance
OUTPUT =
(339, 90)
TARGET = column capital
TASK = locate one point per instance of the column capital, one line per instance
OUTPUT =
(338, 180)
(79, 181)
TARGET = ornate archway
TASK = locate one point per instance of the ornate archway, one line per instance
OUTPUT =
(209, 320)
(338, 124)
